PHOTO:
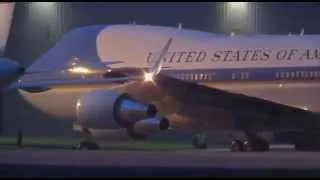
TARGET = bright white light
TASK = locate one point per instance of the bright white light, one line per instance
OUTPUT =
(148, 77)
(237, 9)
(44, 4)
(43, 10)
(304, 108)
(78, 104)
(81, 70)
(237, 5)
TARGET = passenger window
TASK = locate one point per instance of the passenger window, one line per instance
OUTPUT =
(281, 75)
(287, 74)
(206, 77)
(233, 76)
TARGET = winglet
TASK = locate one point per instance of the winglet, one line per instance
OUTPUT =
(156, 68)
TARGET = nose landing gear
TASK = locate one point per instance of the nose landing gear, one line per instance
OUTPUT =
(86, 143)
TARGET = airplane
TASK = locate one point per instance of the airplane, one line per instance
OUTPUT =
(147, 79)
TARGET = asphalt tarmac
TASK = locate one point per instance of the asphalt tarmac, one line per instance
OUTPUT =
(32, 162)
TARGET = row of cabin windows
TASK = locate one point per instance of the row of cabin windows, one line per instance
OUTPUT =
(207, 76)
(242, 75)
(194, 76)
(298, 74)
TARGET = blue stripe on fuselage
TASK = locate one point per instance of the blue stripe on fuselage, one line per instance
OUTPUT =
(247, 74)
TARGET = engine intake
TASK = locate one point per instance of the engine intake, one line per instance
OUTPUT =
(105, 109)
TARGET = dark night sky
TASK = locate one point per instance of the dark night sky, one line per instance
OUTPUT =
(35, 29)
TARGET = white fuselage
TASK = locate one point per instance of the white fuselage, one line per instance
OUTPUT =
(279, 68)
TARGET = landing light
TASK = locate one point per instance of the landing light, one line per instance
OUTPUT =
(78, 104)
(148, 77)
(80, 70)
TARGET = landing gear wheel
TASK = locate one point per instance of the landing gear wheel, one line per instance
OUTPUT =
(200, 141)
(237, 146)
(256, 145)
(89, 145)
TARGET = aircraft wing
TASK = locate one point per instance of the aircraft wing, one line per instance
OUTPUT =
(217, 108)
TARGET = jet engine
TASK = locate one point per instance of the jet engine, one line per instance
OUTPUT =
(107, 109)
(142, 128)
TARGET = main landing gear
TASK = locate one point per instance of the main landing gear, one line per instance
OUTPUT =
(200, 140)
(252, 144)
(86, 143)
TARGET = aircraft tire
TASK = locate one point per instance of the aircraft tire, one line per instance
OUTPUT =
(88, 145)
(200, 141)
(256, 145)
(237, 146)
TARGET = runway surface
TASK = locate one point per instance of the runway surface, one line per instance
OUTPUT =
(212, 162)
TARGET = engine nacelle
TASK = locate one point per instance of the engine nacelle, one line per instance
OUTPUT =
(147, 126)
(107, 109)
